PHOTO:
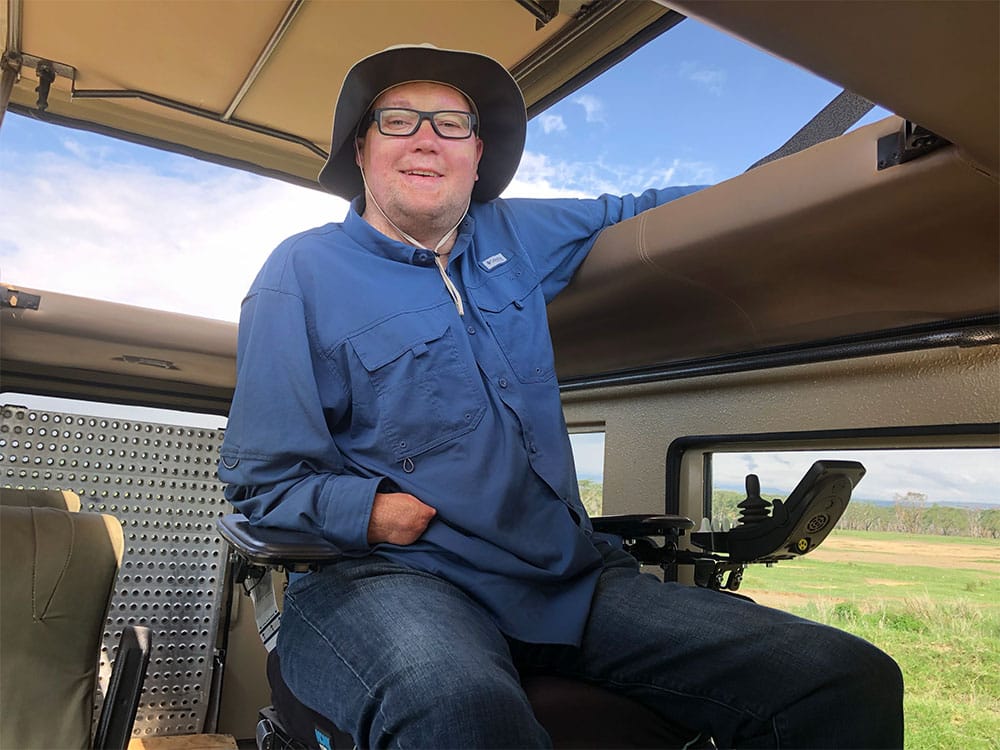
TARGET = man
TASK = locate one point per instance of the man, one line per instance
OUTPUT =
(396, 394)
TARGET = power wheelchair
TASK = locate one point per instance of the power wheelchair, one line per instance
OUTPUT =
(576, 715)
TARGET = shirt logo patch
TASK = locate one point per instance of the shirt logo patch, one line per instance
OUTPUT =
(493, 261)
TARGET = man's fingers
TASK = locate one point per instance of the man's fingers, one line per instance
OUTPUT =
(398, 518)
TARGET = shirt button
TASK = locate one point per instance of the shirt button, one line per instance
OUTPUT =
(532, 447)
(471, 330)
(502, 382)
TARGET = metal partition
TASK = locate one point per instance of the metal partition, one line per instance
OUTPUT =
(160, 481)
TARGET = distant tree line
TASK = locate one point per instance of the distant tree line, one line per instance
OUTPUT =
(910, 513)
(592, 494)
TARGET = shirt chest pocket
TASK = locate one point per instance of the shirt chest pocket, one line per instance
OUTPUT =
(514, 308)
(426, 394)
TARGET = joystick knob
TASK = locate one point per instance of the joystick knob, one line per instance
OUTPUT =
(754, 508)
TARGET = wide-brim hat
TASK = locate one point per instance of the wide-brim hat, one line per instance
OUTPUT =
(493, 91)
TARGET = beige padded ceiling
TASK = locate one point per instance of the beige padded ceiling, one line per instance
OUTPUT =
(200, 54)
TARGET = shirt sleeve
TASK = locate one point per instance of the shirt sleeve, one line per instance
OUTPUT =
(559, 233)
(279, 460)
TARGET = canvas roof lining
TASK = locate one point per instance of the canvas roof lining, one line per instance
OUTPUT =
(857, 250)
(286, 95)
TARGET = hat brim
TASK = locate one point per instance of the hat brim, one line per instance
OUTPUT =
(497, 97)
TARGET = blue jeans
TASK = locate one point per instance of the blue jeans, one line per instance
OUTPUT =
(399, 658)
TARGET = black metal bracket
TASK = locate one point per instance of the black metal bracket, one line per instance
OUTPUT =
(46, 75)
(911, 142)
(12, 298)
(543, 10)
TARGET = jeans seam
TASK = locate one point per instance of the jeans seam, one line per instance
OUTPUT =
(292, 605)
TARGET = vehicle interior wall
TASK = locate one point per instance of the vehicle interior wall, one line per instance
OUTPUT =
(946, 386)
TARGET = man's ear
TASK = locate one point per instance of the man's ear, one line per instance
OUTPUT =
(479, 154)
(359, 143)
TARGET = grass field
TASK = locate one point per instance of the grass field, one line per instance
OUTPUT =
(931, 602)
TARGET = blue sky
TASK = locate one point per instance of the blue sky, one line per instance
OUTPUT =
(87, 215)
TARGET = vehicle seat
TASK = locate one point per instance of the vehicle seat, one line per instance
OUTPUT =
(57, 575)
(59, 499)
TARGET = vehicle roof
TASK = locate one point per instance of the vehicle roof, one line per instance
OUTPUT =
(254, 82)
(820, 246)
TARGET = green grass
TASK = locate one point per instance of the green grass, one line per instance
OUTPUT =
(941, 624)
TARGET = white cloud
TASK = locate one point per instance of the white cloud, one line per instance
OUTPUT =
(955, 476)
(592, 106)
(588, 454)
(128, 234)
(552, 123)
(85, 153)
(541, 176)
(713, 79)
(190, 237)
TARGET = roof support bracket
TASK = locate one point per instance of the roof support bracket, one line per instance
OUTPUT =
(14, 63)
(543, 10)
(911, 142)
(16, 299)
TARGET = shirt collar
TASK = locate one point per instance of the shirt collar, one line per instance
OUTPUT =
(372, 240)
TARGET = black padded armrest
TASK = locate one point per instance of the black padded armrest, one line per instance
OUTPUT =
(121, 701)
(631, 525)
(263, 545)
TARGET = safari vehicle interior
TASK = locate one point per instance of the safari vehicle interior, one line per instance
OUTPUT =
(844, 295)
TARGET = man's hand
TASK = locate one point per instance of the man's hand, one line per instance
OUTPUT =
(398, 518)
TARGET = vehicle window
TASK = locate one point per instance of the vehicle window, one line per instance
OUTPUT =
(588, 455)
(952, 492)
(119, 411)
(913, 566)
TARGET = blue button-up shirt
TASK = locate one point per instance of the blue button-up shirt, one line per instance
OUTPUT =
(356, 373)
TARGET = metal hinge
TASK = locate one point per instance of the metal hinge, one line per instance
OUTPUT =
(909, 143)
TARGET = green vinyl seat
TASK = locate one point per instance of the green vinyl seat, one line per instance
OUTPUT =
(58, 570)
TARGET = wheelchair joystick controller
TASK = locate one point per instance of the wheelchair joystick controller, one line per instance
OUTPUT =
(768, 532)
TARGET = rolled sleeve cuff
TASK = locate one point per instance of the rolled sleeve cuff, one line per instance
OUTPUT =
(348, 501)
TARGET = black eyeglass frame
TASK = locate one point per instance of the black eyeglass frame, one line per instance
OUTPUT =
(373, 117)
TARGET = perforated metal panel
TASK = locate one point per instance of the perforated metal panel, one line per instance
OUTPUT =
(159, 480)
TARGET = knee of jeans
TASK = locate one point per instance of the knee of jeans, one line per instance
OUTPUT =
(886, 674)
(456, 694)
(875, 678)
(458, 708)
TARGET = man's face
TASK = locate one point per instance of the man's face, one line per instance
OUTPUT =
(422, 182)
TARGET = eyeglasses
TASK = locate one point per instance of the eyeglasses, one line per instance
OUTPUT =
(447, 123)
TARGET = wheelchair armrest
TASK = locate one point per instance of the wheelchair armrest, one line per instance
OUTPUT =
(634, 525)
(271, 547)
(635, 530)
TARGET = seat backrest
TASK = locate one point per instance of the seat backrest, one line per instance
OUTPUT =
(61, 499)
(57, 575)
